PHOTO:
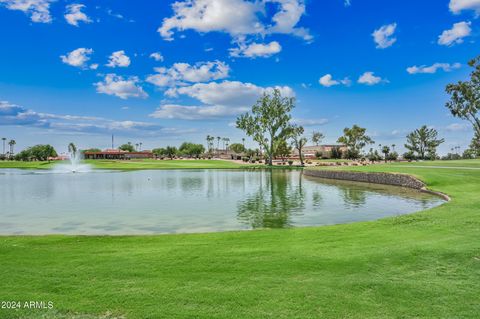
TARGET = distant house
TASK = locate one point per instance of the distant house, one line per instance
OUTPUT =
(118, 155)
(325, 150)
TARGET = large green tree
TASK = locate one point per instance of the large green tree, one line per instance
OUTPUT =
(269, 121)
(191, 149)
(355, 138)
(465, 100)
(127, 147)
(237, 148)
(423, 143)
(317, 138)
(299, 141)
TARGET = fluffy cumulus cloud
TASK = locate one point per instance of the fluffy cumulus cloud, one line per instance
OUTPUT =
(383, 37)
(447, 67)
(183, 73)
(157, 56)
(74, 14)
(328, 81)
(456, 34)
(369, 78)
(456, 6)
(254, 50)
(235, 17)
(37, 10)
(227, 98)
(15, 115)
(78, 58)
(118, 59)
(118, 86)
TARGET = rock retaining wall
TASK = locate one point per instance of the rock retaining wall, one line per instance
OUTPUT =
(377, 178)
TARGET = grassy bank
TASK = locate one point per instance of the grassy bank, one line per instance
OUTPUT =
(424, 265)
(133, 164)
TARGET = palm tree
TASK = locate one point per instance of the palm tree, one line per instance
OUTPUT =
(4, 139)
(218, 142)
(227, 140)
(140, 145)
(243, 142)
(11, 144)
(136, 146)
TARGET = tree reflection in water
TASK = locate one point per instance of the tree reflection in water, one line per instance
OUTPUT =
(278, 199)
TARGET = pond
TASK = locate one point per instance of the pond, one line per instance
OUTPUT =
(185, 201)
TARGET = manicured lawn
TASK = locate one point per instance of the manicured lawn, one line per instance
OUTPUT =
(138, 164)
(424, 265)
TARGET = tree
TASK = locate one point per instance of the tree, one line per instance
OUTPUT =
(127, 147)
(282, 149)
(210, 140)
(317, 138)
(336, 152)
(11, 144)
(92, 150)
(269, 122)
(237, 148)
(37, 152)
(3, 140)
(191, 149)
(299, 141)
(465, 99)
(386, 152)
(475, 144)
(170, 151)
(159, 152)
(423, 141)
(355, 139)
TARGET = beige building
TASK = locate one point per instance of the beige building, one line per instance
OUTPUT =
(326, 150)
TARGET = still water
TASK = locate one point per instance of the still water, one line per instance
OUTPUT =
(184, 201)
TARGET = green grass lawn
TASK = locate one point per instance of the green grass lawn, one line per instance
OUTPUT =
(134, 164)
(423, 265)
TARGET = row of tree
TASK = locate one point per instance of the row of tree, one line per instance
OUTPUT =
(187, 149)
(7, 154)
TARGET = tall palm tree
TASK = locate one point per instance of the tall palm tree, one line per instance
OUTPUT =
(4, 139)
(243, 142)
(140, 145)
(218, 142)
(136, 146)
(12, 144)
(227, 140)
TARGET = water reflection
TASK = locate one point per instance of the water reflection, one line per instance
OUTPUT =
(151, 202)
(274, 204)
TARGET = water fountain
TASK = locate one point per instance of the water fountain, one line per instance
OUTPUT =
(75, 165)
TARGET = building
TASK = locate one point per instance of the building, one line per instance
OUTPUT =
(118, 155)
(325, 150)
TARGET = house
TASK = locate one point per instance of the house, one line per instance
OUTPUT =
(325, 150)
(118, 155)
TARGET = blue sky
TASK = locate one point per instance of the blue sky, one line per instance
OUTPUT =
(162, 72)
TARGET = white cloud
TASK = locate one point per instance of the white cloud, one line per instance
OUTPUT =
(11, 114)
(218, 100)
(347, 3)
(456, 34)
(78, 58)
(458, 127)
(328, 81)
(183, 112)
(447, 67)
(309, 122)
(182, 73)
(74, 14)
(228, 93)
(235, 17)
(456, 6)
(254, 50)
(383, 36)
(118, 86)
(38, 10)
(157, 56)
(118, 58)
(368, 78)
